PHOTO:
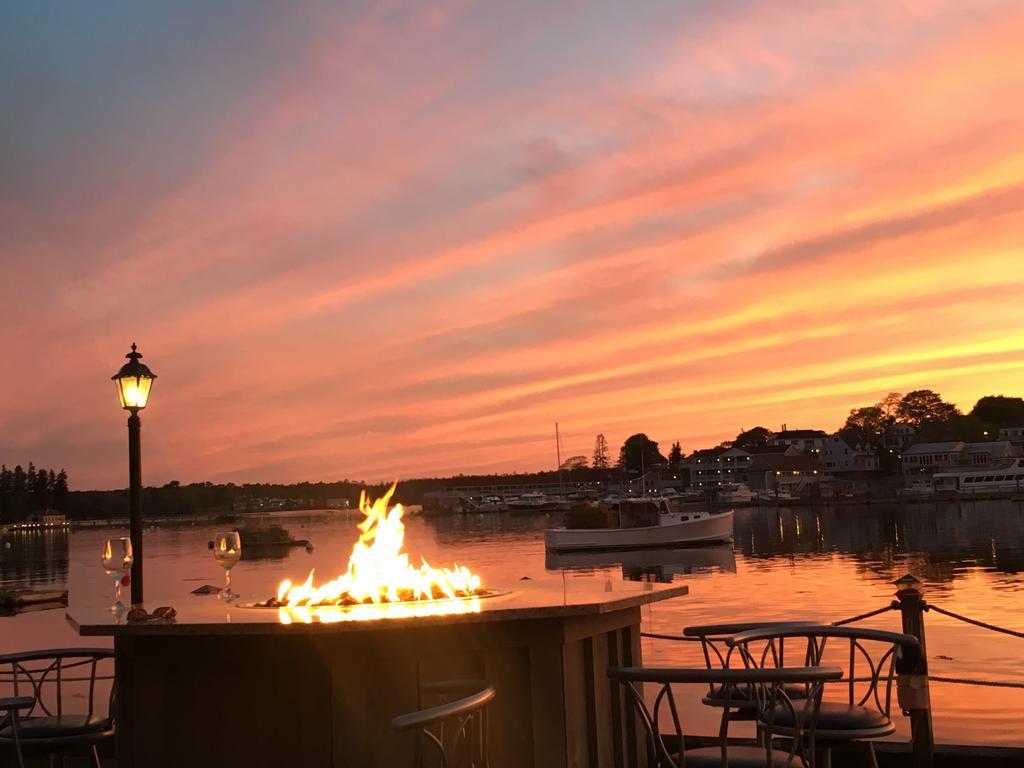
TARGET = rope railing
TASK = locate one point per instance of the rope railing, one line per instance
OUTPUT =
(894, 606)
(971, 681)
(975, 622)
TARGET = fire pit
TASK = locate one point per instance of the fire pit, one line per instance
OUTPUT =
(379, 571)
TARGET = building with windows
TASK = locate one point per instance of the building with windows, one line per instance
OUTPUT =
(840, 457)
(795, 475)
(1012, 435)
(929, 458)
(898, 436)
(712, 468)
(804, 440)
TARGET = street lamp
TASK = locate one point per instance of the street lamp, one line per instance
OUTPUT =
(134, 382)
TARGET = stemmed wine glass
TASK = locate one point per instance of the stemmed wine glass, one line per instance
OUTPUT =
(117, 562)
(227, 550)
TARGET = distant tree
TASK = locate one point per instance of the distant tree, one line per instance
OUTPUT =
(5, 493)
(1000, 410)
(675, 456)
(640, 452)
(865, 425)
(922, 406)
(890, 407)
(600, 458)
(753, 438)
(19, 495)
(968, 428)
(41, 490)
(60, 491)
(30, 487)
(574, 462)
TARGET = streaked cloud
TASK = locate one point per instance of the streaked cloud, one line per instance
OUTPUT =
(392, 239)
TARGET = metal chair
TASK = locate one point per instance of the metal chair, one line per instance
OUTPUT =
(866, 712)
(10, 709)
(713, 639)
(766, 687)
(50, 681)
(455, 729)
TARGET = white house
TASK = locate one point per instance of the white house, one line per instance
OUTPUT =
(804, 440)
(926, 458)
(838, 456)
(898, 436)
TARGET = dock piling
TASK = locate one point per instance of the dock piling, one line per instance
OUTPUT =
(912, 684)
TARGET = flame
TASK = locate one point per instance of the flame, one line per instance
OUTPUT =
(379, 572)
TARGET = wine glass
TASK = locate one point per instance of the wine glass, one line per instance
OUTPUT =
(227, 550)
(117, 562)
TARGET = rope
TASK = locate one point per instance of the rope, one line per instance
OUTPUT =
(868, 615)
(968, 681)
(975, 622)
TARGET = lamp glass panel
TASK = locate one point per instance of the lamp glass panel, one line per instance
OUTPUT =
(134, 391)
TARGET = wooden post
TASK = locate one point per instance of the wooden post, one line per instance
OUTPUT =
(912, 685)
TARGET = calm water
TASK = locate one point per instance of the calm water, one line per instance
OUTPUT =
(786, 564)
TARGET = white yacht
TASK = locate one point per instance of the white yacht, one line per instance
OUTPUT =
(981, 479)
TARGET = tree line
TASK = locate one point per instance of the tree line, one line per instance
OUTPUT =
(933, 419)
(27, 492)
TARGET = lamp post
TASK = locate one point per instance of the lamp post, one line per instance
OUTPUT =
(134, 381)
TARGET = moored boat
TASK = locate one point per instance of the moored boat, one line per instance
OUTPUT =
(670, 530)
(532, 502)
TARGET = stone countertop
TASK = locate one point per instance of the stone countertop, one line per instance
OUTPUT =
(526, 600)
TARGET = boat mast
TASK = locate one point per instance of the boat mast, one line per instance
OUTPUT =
(558, 454)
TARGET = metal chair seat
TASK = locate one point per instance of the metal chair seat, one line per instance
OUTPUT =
(841, 722)
(739, 757)
(59, 729)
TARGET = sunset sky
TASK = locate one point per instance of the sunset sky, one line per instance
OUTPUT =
(394, 239)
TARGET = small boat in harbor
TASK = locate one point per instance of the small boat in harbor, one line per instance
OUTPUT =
(665, 529)
(532, 502)
(735, 493)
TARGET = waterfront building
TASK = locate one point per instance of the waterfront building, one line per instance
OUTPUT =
(782, 473)
(805, 440)
(929, 458)
(840, 457)
(1012, 435)
(898, 436)
(712, 468)
(926, 458)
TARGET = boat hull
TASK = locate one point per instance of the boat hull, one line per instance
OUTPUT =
(669, 534)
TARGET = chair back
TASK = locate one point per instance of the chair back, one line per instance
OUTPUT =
(870, 657)
(767, 688)
(454, 731)
(62, 681)
(718, 654)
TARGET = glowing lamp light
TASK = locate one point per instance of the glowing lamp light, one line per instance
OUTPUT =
(134, 382)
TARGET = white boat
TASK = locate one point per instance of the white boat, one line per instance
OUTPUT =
(995, 479)
(735, 493)
(490, 504)
(532, 502)
(672, 530)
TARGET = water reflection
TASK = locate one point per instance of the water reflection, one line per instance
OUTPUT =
(659, 565)
(938, 540)
(33, 558)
